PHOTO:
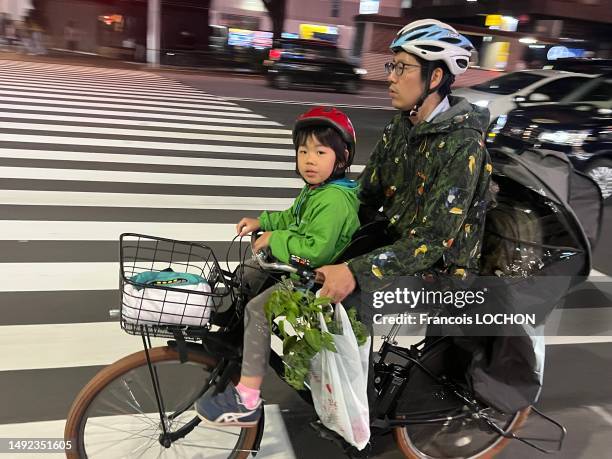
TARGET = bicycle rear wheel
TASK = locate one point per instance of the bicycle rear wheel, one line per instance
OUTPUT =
(116, 414)
(465, 438)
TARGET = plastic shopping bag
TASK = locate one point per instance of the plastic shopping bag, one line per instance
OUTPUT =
(338, 382)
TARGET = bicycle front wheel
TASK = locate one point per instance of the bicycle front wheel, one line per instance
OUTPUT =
(116, 414)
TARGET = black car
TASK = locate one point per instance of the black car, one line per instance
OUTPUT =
(580, 126)
(311, 63)
(582, 65)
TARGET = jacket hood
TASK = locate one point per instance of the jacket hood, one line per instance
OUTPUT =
(347, 187)
(344, 182)
(460, 115)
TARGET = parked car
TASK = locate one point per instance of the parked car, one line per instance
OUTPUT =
(311, 63)
(525, 87)
(580, 126)
(582, 65)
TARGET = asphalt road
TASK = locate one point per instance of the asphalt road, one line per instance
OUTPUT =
(87, 153)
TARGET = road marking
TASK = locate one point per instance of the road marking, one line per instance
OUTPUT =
(275, 443)
(135, 108)
(297, 102)
(144, 133)
(55, 155)
(87, 175)
(54, 277)
(44, 230)
(149, 201)
(139, 123)
(107, 94)
(120, 143)
(149, 103)
(601, 412)
(407, 341)
(61, 84)
(181, 118)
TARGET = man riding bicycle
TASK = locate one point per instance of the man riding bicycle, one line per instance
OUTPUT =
(429, 172)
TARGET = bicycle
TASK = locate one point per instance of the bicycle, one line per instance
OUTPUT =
(143, 403)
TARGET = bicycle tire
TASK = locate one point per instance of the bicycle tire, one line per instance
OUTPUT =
(428, 441)
(75, 429)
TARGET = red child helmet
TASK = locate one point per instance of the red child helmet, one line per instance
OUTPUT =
(332, 117)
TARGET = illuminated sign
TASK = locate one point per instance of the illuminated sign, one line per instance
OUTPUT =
(249, 38)
(368, 7)
(493, 20)
(240, 37)
(558, 52)
(309, 31)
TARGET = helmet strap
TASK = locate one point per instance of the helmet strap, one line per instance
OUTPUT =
(427, 91)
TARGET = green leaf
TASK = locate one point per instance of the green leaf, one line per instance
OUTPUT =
(313, 338)
(289, 343)
(328, 342)
(292, 319)
(322, 301)
(281, 327)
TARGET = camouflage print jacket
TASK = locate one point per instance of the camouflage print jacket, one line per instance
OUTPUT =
(431, 181)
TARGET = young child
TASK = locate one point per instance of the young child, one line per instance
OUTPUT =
(317, 227)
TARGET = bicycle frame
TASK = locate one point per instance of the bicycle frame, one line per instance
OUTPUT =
(389, 379)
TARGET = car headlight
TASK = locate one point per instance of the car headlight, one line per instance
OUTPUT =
(496, 127)
(359, 71)
(573, 138)
(482, 103)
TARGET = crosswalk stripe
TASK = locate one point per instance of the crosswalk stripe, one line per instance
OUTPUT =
(162, 85)
(106, 113)
(96, 142)
(143, 124)
(52, 277)
(59, 155)
(123, 88)
(86, 75)
(106, 93)
(155, 201)
(275, 443)
(88, 175)
(109, 231)
(31, 127)
(130, 109)
(150, 103)
(65, 347)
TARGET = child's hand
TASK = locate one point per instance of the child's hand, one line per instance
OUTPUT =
(247, 225)
(262, 241)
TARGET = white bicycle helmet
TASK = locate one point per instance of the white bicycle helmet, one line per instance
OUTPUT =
(435, 41)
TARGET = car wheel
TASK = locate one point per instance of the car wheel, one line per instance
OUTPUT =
(350, 87)
(282, 81)
(601, 171)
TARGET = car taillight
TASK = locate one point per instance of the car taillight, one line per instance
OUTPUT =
(275, 54)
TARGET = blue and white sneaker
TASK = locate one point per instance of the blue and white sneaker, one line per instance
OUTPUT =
(226, 409)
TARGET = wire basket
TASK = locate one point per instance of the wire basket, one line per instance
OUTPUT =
(170, 301)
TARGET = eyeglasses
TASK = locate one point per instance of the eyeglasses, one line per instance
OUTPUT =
(398, 68)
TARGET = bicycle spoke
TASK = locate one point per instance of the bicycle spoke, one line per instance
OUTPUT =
(217, 430)
(121, 419)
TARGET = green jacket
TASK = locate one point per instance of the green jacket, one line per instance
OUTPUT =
(432, 182)
(318, 226)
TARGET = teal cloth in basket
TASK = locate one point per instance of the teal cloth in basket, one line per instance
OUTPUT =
(167, 279)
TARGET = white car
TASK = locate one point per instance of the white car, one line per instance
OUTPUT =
(526, 87)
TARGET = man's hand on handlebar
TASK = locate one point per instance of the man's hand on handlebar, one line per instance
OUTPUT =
(247, 225)
(338, 281)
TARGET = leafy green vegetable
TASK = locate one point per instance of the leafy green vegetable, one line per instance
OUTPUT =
(301, 310)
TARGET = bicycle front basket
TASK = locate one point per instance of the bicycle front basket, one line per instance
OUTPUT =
(167, 284)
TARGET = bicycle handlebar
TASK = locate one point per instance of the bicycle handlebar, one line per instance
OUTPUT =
(306, 274)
